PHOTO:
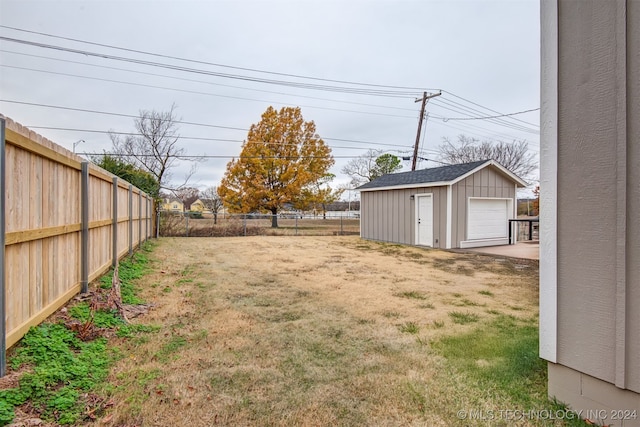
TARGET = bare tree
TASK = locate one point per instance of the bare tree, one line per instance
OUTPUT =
(371, 165)
(514, 156)
(155, 148)
(212, 201)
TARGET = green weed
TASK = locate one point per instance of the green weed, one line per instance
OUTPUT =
(129, 330)
(63, 366)
(129, 271)
(438, 324)
(409, 328)
(391, 314)
(62, 369)
(411, 294)
(101, 318)
(170, 348)
(463, 318)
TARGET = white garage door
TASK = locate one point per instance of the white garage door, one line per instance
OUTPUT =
(488, 219)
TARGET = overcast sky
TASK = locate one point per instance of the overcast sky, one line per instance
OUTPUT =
(483, 55)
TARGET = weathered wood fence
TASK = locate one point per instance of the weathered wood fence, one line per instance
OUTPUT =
(65, 222)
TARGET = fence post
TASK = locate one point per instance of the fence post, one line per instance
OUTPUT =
(140, 218)
(244, 222)
(3, 326)
(114, 239)
(296, 223)
(510, 232)
(130, 219)
(84, 235)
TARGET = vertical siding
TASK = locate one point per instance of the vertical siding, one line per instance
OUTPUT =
(598, 252)
(389, 215)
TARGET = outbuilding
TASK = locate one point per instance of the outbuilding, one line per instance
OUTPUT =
(457, 206)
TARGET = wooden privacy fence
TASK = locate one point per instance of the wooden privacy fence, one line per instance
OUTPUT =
(64, 223)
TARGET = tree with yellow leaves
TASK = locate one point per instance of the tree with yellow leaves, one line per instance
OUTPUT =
(317, 195)
(281, 157)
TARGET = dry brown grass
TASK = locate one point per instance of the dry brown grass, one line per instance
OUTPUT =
(280, 331)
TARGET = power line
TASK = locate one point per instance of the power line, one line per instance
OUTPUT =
(346, 90)
(474, 112)
(371, 92)
(107, 132)
(486, 108)
(355, 141)
(202, 81)
(212, 63)
(222, 156)
(83, 110)
(446, 119)
(480, 135)
(197, 92)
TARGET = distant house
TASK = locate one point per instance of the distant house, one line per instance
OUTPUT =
(590, 199)
(458, 206)
(200, 206)
(172, 204)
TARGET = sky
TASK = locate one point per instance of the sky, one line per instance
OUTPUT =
(236, 58)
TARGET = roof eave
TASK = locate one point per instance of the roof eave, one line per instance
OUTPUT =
(405, 186)
(498, 166)
(519, 182)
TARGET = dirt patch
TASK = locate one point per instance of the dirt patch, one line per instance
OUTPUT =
(275, 330)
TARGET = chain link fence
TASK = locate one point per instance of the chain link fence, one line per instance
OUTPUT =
(192, 224)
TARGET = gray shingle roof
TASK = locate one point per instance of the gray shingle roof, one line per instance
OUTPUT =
(423, 176)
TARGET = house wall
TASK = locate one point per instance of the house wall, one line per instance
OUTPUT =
(484, 183)
(590, 265)
(389, 215)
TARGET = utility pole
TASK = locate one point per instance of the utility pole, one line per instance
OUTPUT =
(424, 99)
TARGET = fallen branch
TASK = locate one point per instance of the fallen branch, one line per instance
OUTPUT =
(114, 299)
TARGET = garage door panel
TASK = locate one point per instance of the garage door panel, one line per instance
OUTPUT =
(488, 219)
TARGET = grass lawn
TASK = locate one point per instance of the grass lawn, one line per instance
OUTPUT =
(324, 330)
(332, 331)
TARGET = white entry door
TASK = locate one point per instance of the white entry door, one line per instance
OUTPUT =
(424, 217)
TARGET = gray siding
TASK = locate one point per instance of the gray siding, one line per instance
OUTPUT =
(598, 190)
(389, 215)
(484, 183)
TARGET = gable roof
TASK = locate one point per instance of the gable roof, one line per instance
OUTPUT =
(432, 177)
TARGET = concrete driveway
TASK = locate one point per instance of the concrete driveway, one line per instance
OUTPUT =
(526, 250)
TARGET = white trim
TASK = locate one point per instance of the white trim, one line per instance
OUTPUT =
(449, 218)
(510, 204)
(549, 181)
(483, 242)
(514, 233)
(417, 211)
(498, 166)
(405, 186)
